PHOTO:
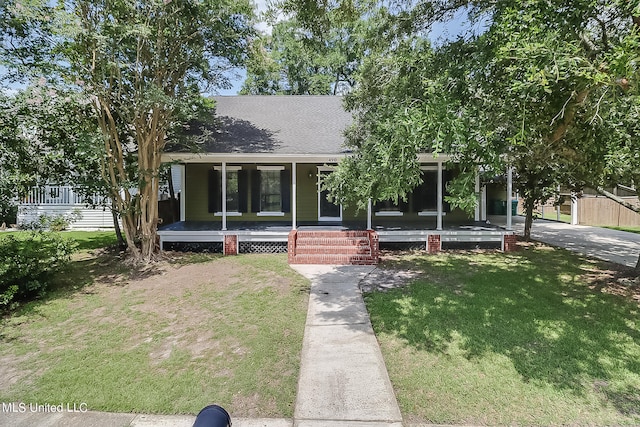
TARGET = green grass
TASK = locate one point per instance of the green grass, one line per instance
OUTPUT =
(627, 229)
(85, 240)
(510, 340)
(553, 215)
(166, 339)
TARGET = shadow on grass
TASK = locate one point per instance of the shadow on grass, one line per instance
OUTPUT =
(532, 307)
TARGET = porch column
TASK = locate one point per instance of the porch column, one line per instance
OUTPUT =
(183, 186)
(439, 222)
(509, 191)
(558, 207)
(294, 195)
(483, 203)
(574, 209)
(478, 197)
(224, 196)
(369, 209)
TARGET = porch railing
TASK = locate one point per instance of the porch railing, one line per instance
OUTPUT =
(60, 195)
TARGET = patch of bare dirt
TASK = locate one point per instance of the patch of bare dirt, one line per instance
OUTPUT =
(615, 280)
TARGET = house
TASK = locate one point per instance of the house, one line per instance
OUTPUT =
(256, 187)
(90, 213)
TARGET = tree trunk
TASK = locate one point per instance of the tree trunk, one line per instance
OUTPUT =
(116, 225)
(150, 136)
(638, 265)
(528, 221)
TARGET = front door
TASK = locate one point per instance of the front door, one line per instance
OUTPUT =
(327, 211)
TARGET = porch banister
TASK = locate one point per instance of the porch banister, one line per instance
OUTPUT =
(509, 195)
(224, 196)
(294, 195)
(478, 197)
(439, 223)
(369, 209)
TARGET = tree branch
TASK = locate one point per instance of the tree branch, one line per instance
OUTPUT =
(608, 195)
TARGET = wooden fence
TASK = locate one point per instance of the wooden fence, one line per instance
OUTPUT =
(603, 211)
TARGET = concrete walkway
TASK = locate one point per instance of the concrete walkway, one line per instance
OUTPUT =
(343, 379)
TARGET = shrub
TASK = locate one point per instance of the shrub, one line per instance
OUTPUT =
(8, 213)
(53, 222)
(27, 263)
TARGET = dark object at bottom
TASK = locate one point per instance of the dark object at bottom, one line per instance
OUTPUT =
(213, 416)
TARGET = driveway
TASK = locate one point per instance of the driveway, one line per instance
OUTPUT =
(609, 245)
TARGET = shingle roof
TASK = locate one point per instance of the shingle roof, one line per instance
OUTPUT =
(280, 124)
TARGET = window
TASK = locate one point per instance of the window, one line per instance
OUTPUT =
(232, 191)
(271, 190)
(389, 208)
(270, 196)
(236, 190)
(425, 195)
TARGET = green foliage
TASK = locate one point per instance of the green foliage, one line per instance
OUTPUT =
(27, 262)
(549, 88)
(292, 61)
(54, 222)
(140, 68)
(47, 136)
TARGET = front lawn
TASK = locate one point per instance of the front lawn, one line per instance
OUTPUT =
(538, 337)
(170, 338)
(628, 229)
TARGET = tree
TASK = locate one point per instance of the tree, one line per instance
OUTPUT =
(292, 61)
(548, 87)
(142, 65)
(46, 137)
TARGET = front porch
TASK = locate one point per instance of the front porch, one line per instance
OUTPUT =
(272, 236)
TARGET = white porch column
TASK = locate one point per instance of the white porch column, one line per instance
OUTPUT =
(294, 195)
(558, 207)
(478, 197)
(369, 209)
(574, 209)
(483, 203)
(183, 186)
(509, 195)
(439, 223)
(224, 196)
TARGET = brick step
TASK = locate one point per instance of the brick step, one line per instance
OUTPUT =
(357, 247)
(334, 259)
(326, 233)
(337, 250)
(333, 241)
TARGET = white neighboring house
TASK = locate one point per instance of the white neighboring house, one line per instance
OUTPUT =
(53, 201)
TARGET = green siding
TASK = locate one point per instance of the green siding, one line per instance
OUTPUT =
(196, 193)
(307, 182)
(197, 199)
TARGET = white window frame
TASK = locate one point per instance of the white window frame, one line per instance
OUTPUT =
(271, 168)
(228, 169)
